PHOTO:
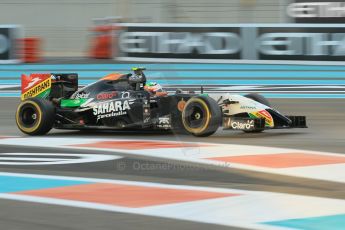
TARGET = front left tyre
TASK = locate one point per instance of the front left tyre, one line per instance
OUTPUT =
(35, 116)
(201, 116)
(258, 98)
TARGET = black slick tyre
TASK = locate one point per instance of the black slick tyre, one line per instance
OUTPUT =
(35, 116)
(258, 98)
(201, 116)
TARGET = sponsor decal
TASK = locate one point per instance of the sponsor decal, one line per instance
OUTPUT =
(283, 42)
(247, 107)
(33, 79)
(32, 82)
(243, 125)
(184, 42)
(82, 96)
(36, 85)
(146, 112)
(72, 102)
(106, 95)
(112, 108)
(181, 104)
(125, 95)
(55, 78)
(321, 11)
(164, 122)
(263, 114)
(146, 120)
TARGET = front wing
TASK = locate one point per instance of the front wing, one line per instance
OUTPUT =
(253, 124)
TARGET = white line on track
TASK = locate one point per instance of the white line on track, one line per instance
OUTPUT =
(55, 158)
(329, 172)
(249, 209)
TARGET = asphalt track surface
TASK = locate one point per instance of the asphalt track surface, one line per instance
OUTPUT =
(325, 133)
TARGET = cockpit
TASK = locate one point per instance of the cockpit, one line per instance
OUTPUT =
(111, 82)
(114, 82)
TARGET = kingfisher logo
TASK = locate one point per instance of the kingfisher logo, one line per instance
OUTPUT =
(34, 85)
(33, 82)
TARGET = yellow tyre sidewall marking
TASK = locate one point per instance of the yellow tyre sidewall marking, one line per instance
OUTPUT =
(39, 117)
(208, 116)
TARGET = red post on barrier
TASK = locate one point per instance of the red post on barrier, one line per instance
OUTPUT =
(101, 46)
(104, 41)
(30, 49)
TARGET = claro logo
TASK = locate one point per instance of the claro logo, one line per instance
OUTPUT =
(106, 95)
(243, 125)
(316, 9)
(249, 46)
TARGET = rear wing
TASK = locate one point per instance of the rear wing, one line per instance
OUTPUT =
(48, 85)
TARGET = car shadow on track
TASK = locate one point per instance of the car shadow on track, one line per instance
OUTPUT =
(154, 134)
(258, 135)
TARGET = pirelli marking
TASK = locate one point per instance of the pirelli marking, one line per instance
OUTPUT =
(38, 89)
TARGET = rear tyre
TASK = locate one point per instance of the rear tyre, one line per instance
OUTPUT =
(258, 98)
(35, 116)
(201, 116)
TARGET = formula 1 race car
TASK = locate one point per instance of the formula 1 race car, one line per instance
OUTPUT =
(127, 101)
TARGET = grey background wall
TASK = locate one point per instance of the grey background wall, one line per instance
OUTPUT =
(64, 24)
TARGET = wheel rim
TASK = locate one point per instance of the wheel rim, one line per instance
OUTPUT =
(195, 116)
(28, 116)
(121, 124)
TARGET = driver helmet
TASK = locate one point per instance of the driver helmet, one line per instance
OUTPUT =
(138, 72)
(153, 87)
